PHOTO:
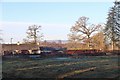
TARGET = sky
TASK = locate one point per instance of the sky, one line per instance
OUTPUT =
(56, 18)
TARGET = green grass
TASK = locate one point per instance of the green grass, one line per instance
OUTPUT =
(106, 67)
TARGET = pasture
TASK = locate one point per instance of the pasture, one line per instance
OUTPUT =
(61, 67)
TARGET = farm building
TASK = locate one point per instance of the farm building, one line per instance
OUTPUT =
(15, 47)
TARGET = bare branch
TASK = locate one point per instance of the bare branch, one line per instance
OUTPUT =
(81, 28)
(33, 31)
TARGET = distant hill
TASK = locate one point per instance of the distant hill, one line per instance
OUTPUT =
(57, 41)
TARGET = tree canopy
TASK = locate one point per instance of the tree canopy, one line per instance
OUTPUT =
(83, 30)
(33, 33)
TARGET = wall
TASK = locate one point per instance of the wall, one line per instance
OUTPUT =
(13, 47)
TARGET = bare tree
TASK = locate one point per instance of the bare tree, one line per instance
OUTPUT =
(0, 36)
(25, 41)
(82, 30)
(32, 33)
(97, 41)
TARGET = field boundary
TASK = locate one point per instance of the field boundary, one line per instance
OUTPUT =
(76, 72)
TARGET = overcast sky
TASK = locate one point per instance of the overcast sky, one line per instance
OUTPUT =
(56, 18)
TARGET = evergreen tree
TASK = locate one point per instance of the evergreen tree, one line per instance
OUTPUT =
(112, 29)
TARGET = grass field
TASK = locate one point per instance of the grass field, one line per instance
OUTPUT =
(62, 67)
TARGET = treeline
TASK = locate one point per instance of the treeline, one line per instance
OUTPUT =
(85, 35)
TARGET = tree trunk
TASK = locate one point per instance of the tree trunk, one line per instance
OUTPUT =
(35, 37)
(113, 45)
(88, 42)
